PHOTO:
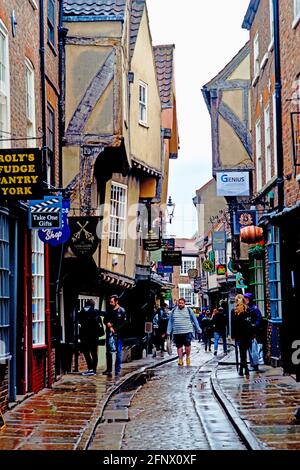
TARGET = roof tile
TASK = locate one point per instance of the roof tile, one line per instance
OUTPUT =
(164, 68)
(105, 8)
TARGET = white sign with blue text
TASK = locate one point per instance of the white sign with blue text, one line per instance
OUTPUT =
(233, 183)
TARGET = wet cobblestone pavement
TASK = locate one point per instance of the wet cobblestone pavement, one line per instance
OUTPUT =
(162, 414)
(266, 403)
(177, 410)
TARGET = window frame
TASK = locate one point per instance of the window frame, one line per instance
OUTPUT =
(51, 24)
(5, 286)
(256, 63)
(5, 90)
(257, 282)
(268, 148)
(118, 234)
(30, 103)
(185, 259)
(143, 105)
(50, 151)
(274, 280)
(296, 12)
(258, 156)
(182, 289)
(274, 133)
(38, 291)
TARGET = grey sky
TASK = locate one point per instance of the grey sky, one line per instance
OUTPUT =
(206, 34)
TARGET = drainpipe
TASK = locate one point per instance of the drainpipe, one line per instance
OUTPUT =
(62, 32)
(44, 153)
(284, 333)
(278, 102)
(43, 83)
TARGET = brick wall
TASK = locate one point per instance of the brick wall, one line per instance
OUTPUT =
(290, 70)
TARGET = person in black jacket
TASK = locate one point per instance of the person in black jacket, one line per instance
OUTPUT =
(115, 320)
(219, 325)
(242, 331)
(90, 329)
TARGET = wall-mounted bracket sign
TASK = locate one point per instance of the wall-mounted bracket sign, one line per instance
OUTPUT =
(45, 213)
(171, 258)
(57, 236)
(20, 173)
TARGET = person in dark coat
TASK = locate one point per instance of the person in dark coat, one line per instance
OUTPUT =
(90, 329)
(242, 331)
(219, 324)
(257, 327)
(115, 321)
(207, 330)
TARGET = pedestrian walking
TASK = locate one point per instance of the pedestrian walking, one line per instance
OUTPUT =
(159, 324)
(115, 321)
(200, 318)
(219, 326)
(182, 323)
(256, 348)
(90, 329)
(242, 331)
(207, 330)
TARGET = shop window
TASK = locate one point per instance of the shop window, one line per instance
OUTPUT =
(273, 247)
(256, 272)
(38, 290)
(4, 286)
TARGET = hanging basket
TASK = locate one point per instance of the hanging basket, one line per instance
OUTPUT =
(257, 251)
(251, 234)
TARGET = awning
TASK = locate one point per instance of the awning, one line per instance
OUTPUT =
(116, 279)
(276, 216)
(160, 281)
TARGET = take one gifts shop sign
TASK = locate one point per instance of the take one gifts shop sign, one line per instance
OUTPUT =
(20, 173)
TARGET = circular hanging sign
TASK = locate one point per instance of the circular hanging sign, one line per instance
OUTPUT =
(192, 273)
(208, 266)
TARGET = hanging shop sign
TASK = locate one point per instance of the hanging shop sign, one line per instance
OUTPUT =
(161, 269)
(171, 258)
(168, 244)
(219, 241)
(83, 237)
(233, 183)
(152, 244)
(251, 234)
(240, 281)
(45, 213)
(232, 266)
(243, 219)
(208, 266)
(192, 273)
(221, 270)
(197, 285)
(56, 236)
(21, 173)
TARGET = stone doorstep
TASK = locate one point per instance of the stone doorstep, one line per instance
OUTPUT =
(19, 399)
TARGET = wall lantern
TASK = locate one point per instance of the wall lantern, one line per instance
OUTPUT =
(170, 209)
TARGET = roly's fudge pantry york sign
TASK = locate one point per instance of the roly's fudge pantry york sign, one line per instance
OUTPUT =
(20, 173)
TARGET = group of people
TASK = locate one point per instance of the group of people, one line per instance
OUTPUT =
(213, 325)
(91, 329)
(181, 324)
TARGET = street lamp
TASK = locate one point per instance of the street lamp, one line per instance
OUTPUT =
(170, 209)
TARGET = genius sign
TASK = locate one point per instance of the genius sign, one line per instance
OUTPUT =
(233, 183)
(20, 173)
